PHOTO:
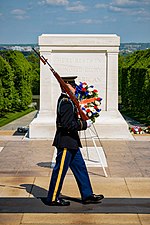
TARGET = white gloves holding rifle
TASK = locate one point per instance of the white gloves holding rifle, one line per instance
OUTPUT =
(89, 123)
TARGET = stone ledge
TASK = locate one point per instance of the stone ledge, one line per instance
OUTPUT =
(6, 132)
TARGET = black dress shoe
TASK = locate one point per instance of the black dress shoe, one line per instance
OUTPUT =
(58, 202)
(93, 199)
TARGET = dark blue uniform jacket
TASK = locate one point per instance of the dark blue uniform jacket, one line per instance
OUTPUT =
(68, 124)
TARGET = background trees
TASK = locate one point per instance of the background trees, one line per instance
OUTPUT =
(17, 80)
(35, 62)
(20, 79)
(134, 72)
(7, 89)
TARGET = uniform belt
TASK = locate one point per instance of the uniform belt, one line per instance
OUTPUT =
(61, 129)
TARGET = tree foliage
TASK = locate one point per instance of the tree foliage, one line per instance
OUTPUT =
(134, 72)
(7, 89)
(35, 62)
(17, 80)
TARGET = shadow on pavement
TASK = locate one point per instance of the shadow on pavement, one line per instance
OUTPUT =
(35, 205)
(45, 164)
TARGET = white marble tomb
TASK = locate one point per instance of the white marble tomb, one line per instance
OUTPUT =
(94, 59)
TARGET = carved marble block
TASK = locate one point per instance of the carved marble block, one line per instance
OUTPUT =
(94, 59)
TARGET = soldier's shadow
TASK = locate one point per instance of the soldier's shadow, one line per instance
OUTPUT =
(35, 190)
(39, 192)
(35, 205)
(46, 164)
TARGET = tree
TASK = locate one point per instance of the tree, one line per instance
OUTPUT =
(35, 63)
(1, 98)
(7, 92)
(22, 78)
(135, 82)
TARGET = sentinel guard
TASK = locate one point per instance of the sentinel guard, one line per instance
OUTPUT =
(68, 145)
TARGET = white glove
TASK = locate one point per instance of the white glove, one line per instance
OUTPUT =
(89, 123)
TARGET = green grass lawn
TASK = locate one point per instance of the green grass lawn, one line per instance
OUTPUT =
(9, 117)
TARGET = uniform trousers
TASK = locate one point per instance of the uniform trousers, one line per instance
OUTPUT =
(69, 158)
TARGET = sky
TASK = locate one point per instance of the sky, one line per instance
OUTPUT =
(22, 21)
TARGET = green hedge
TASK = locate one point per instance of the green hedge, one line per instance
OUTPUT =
(134, 74)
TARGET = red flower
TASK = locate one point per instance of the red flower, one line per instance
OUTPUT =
(95, 107)
(95, 90)
(84, 89)
(88, 110)
(98, 99)
(84, 83)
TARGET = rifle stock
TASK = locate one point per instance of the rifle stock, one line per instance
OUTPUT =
(64, 85)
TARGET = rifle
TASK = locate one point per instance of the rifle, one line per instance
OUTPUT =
(64, 85)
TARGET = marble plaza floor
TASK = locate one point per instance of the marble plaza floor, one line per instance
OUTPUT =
(25, 173)
(25, 170)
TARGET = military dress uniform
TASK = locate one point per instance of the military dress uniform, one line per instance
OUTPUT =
(68, 145)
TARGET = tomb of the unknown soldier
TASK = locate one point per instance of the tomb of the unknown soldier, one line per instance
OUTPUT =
(93, 58)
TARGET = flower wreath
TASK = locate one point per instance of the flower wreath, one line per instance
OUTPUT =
(89, 100)
(136, 130)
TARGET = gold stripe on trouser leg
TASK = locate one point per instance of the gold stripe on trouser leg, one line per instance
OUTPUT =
(59, 174)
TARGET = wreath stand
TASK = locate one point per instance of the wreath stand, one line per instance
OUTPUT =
(94, 135)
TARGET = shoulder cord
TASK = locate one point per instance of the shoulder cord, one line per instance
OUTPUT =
(64, 100)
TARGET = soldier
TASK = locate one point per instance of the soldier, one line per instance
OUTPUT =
(68, 146)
